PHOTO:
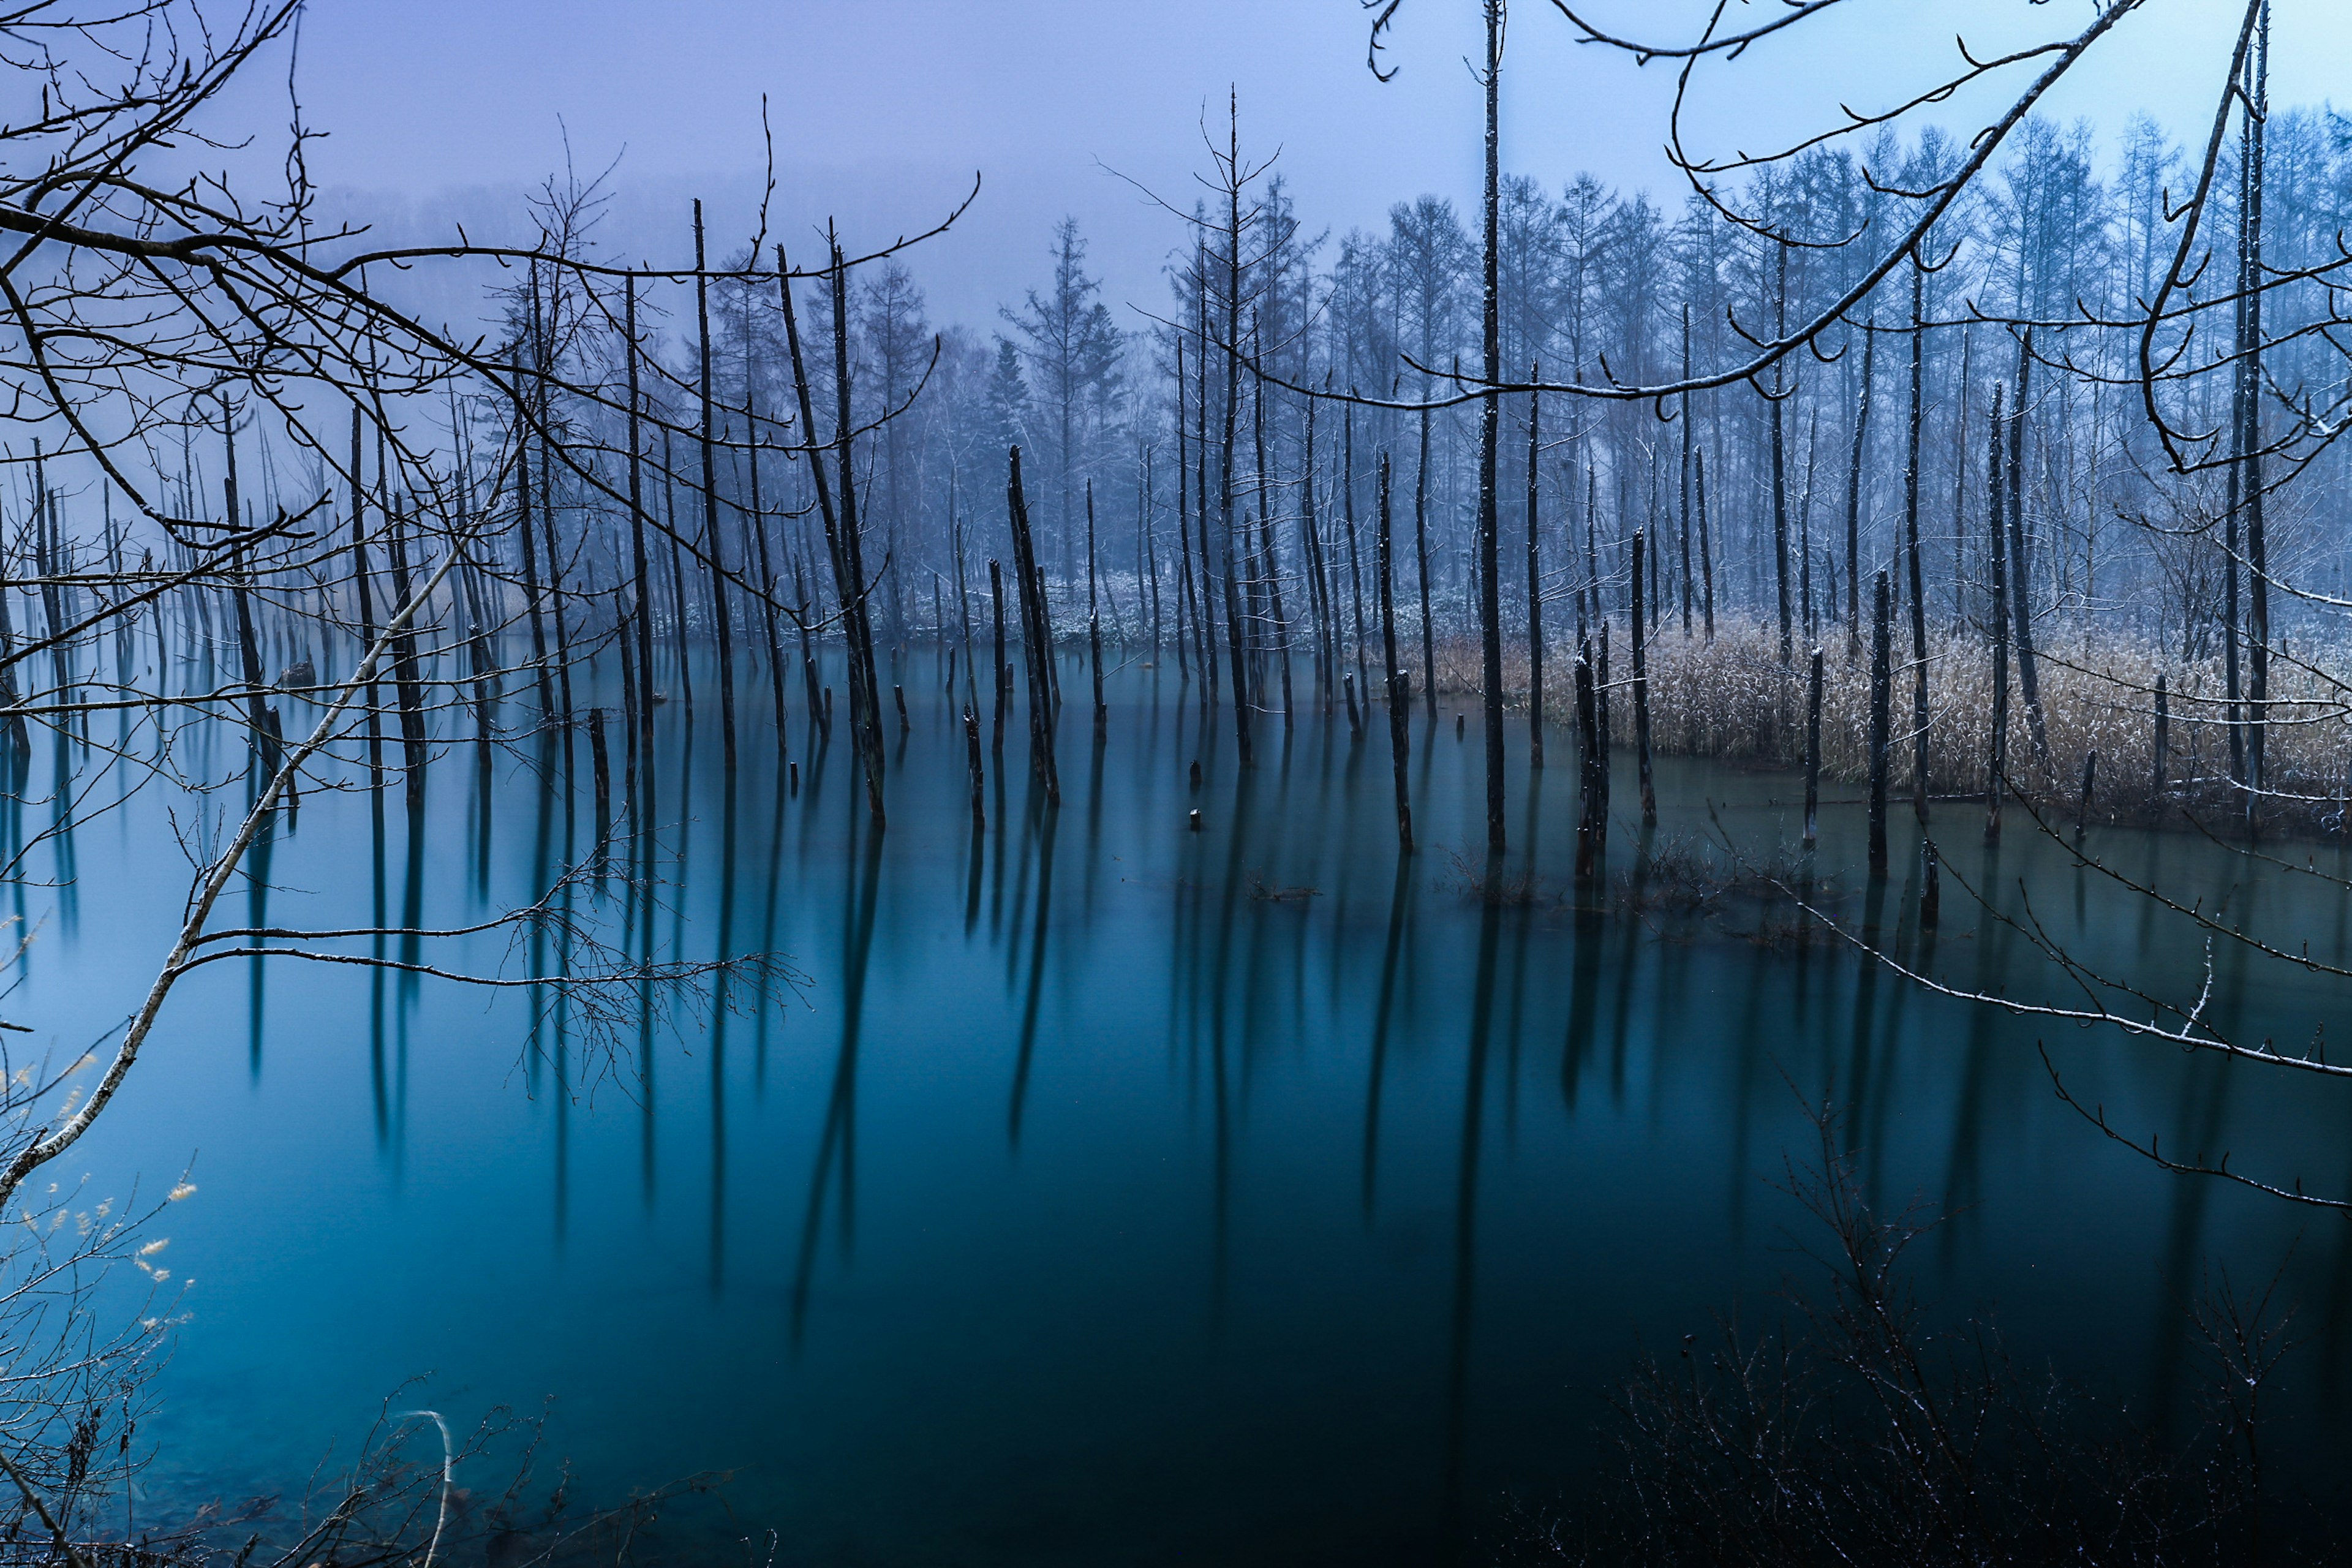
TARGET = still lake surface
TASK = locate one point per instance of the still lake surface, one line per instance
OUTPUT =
(1117, 1193)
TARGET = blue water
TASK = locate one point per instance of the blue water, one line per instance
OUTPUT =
(1111, 1192)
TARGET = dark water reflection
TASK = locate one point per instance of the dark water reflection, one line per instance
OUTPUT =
(1115, 1192)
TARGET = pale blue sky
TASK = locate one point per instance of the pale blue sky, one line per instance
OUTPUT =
(882, 108)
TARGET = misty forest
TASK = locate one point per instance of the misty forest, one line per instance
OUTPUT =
(1648, 873)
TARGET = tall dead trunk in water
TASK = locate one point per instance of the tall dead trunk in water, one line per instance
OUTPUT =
(813, 688)
(1592, 765)
(1272, 568)
(1780, 472)
(1996, 771)
(20, 740)
(477, 643)
(755, 527)
(2250, 441)
(856, 612)
(1911, 542)
(756, 541)
(1037, 632)
(1813, 751)
(1881, 720)
(1188, 609)
(600, 769)
(1640, 632)
(1854, 489)
(713, 549)
(644, 738)
(1236, 628)
(366, 594)
(407, 684)
(547, 522)
(974, 766)
(676, 576)
(1398, 700)
(1094, 620)
(1207, 625)
(818, 712)
(1535, 575)
(1706, 550)
(846, 557)
(49, 561)
(963, 606)
(2234, 467)
(258, 711)
(2162, 749)
(1355, 576)
(1684, 413)
(1603, 775)
(1318, 598)
(525, 527)
(1490, 440)
(1000, 676)
(1589, 607)
(1960, 487)
(1421, 562)
(2028, 683)
(1148, 545)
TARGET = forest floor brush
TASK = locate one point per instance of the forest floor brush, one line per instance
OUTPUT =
(1732, 698)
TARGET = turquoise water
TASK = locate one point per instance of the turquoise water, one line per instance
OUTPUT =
(1110, 1192)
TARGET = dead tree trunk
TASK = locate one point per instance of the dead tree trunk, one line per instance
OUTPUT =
(1641, 634)
(1421, 557)
(1535, 577)
(1780, 476)
(676, 576)
(979, 772)
(555, 596)
(259, 712)
(714, 554)
(1237, 627)
(1706, 550)
(2258, 602)
(1271, 569)
(523, 527)
(1853, 493)
(1188, 611)
(755, 529)
(1683, 411)
(1355, 577)
(1207, 625)
(1997, 769)
(1880, 718)
(1490, 440)
(1911, 544)
(1399, 697)
(856, 598)
(1592, 764)
(1036, 635)
(365, 592)
(1813, 751)
(1318, 598)
(1094, 620)
(2028, 683)
(404, 663)
(841, 525)
(1148, 546)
